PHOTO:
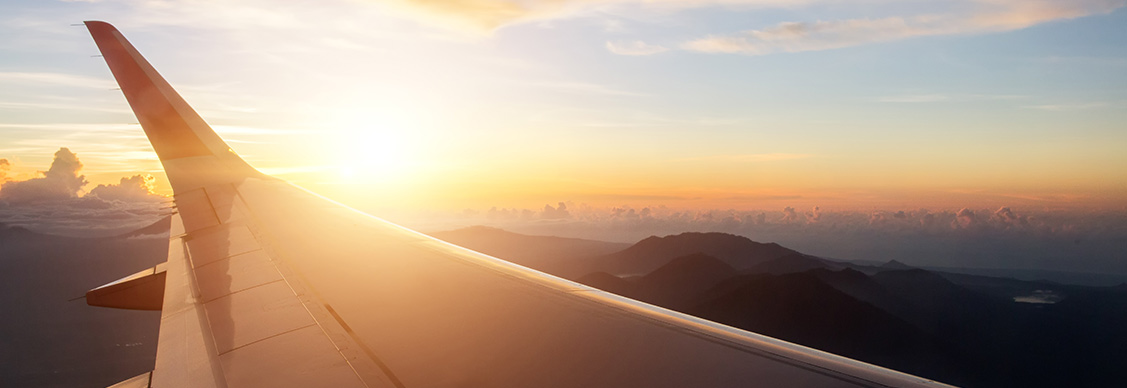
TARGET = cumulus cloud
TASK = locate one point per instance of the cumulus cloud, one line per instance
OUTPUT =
(554, 213)
(51, 202)
(984, 16)
(131, 189)
(789, 215)
(5, 167)
(815, 215)
(636, 47)
(964, 219)
(61, 181)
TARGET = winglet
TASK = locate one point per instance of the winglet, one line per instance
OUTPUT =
(175, 130)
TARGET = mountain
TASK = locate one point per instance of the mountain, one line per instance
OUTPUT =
(863, 288)
(678, 283)
(653, 252)
(10, 231)
(792, 263)
(801, 308)
(564, 257)
(609, 283)
(895, 265)
(159, 228)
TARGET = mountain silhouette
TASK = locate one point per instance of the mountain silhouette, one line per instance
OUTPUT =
(653, 252)
(791, 263)
(801, 308)
(681, 281)
(895, 265)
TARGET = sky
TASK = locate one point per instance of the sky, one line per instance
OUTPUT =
(419, 110)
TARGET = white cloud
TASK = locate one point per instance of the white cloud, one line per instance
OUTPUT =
(1069, 107)
(985, 16)
(935, 97)
(60, 182)
(63, 79)
(916, 98)
(50, 202)
(636, 48)
(130, 189)
(585, 88)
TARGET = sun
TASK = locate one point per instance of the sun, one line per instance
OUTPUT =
(368, 149)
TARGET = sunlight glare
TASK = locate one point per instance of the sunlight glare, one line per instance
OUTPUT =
(366, 148)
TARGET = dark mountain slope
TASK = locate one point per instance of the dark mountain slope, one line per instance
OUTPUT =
(792, 263)
(654, 252)
(682, 281)
(803, 309)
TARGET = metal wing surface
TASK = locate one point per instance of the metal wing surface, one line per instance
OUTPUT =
(269, 285)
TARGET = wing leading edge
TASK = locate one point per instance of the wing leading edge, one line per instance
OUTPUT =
(269, 285)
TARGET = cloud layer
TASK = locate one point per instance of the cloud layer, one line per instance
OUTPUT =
(970, 237)
(53, 201)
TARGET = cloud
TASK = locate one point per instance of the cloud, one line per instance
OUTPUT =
(585, 88)
(789, 215)
(1070, 107)
(964, 219)
(131, 189)
(916, 98)
(554, 213)
(63, 79)
(487, 14)
(1066, 240)
(771, 157)
(985, 16)
(636, 48)
(61, 181)
(920, 98)
(51, 202)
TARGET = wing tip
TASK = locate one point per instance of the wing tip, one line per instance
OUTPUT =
(99, 25)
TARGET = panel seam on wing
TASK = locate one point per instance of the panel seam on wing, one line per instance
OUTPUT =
(264, 339)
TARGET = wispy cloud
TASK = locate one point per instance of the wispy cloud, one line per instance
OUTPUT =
(986, 16)
(56, 106)
(585, 88)
(635, 48)
(938, 97)
(72, 80)
(916, 98)
(744, 158)
(1071, 107)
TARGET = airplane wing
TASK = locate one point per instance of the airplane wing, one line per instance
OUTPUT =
(270, 285)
